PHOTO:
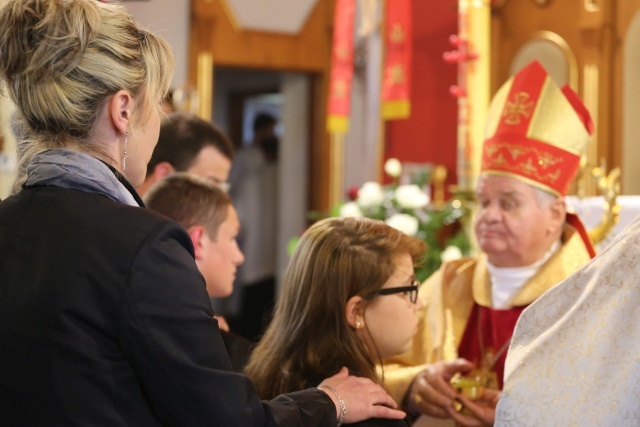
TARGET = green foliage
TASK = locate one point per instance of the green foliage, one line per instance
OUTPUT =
(443, 229)
(440, 226)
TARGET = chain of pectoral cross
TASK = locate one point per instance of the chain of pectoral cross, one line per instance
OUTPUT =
(490, 364)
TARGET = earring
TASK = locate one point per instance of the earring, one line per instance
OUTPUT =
(124, 156)
(358, 324)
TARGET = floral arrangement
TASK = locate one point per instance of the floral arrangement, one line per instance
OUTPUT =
(408, 208)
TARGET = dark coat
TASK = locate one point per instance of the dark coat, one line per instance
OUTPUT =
(381, 422)
(238, 348)
(105, 321)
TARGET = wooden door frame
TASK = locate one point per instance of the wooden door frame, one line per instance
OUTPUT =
(214, 33)
(236, 106)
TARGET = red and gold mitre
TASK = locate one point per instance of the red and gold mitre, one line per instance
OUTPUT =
(536, 132)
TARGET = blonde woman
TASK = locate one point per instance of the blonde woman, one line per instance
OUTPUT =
(349, 298)
(104, 317)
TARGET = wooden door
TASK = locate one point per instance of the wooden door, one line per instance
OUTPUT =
(218, 38)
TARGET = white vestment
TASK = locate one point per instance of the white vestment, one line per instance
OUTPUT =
(574, 359)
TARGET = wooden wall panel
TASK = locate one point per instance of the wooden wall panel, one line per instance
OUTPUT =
(588, 28)
(517, 20)
(234, 46)
(625, 11)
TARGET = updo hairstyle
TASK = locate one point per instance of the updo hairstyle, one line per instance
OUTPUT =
(62, 59)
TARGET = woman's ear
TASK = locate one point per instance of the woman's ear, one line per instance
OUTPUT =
(354, 311)
(121, 110)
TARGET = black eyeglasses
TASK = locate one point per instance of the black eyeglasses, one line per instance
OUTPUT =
(411, 291)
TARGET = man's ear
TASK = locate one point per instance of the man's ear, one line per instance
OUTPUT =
(354, 312)
(121, 110)
(161, 170)
(558, 211)
(198, 238)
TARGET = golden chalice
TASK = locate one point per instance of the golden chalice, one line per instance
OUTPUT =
(472, 386)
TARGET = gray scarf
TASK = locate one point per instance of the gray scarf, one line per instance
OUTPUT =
(61, 167)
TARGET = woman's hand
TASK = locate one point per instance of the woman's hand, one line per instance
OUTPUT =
(363, 399)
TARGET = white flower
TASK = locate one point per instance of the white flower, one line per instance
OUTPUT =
(393, 167)
(350, 210)
(370, 195)
(411, 197)
(451, 253)
(406, 223)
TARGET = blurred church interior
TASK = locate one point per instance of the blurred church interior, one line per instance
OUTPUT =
(236, 58)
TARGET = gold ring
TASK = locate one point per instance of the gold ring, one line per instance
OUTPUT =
(417, 399)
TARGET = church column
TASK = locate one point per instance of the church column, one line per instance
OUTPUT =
(472, 54)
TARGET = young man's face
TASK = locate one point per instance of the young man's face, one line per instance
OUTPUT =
(211, 164)
(221, 256)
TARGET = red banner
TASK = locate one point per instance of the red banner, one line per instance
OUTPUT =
(396, 85)
(341, 68)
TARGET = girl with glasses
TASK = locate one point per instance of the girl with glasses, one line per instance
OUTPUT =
(349, 299)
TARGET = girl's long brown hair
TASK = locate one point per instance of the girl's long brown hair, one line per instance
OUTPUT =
(309, 339)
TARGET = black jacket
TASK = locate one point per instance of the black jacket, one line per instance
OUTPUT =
(381, 422)
(105, 321)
